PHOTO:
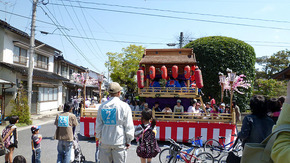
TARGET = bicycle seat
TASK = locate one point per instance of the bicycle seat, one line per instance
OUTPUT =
(222, 137)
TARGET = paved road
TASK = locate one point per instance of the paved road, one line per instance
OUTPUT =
(49, 146)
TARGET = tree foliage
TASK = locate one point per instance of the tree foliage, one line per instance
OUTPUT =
(216, 54)
(123, 66)
(270, 88)
(20, 107)
(273, 64)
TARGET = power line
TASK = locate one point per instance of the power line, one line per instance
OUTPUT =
(26, 17)
(67, 37)
(79, 31)
(120, 41)
(92, 32)
(182, 12)
(130, 42)
(180, 18)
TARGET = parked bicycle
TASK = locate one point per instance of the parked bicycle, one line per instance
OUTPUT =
(196, 144)
(213, 146)
(176, 154)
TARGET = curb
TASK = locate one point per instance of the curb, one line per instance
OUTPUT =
(36, 117)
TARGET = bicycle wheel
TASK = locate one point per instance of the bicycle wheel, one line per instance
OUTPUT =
(213, 147)
(204, 157)
(239, 150)
(223, 159)
(172, 160)
(164, 155)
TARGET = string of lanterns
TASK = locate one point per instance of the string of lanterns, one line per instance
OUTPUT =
(194, 76)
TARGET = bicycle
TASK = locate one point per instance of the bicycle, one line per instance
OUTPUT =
(196, 143)
(176, 154)
(213, 146)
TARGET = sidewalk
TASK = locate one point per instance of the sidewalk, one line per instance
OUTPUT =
(37, 119)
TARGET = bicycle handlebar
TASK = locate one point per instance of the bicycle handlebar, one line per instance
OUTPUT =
(194, 138)
(174, 143)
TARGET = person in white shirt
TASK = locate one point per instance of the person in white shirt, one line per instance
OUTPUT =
(191, 109)
(114, 127)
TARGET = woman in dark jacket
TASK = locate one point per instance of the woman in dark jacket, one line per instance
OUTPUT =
(257, 126)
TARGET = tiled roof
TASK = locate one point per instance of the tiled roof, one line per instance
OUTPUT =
(282, 74)
(168, 56)
(7, 26)
(36, 73)
(61, 58)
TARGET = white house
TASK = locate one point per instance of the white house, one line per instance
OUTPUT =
(47, 85)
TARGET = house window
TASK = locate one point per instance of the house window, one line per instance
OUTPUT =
(19, 55)
(64, 70)
(71, 71)
(47, 94)
(40, 61)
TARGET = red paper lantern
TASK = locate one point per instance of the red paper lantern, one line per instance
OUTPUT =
(187, 72)
(192, 78)
(164, 72)
(152, 72)
(140, 78)
(193, 68)
(143, 68)
(174, 71)
(198, 78)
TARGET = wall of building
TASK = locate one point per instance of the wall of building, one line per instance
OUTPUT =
(50, 63)
(1, 43)
(8, 48)
(8, 75)
(47, 106)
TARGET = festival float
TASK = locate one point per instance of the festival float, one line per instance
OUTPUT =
(170, 66)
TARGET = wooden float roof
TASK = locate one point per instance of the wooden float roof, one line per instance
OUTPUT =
(169, 56)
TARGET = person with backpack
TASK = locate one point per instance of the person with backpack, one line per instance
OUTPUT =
(145, 137)
(10, 138)
(257, 126)
(65, 123)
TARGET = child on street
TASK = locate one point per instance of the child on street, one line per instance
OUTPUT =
(10, 139)
(35, 144)
(145, 137)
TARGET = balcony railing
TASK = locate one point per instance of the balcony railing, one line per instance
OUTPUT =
(176, 117)
(182, 92)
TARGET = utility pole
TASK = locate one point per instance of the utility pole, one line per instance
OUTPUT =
(31, 53)
(181, 40)
(108, 72)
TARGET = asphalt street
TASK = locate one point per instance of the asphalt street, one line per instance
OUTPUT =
(49, 145)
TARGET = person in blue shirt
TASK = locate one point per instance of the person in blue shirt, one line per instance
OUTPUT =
(172, 83)
(154, 83)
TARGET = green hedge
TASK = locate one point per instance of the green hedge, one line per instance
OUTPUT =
(217, 53)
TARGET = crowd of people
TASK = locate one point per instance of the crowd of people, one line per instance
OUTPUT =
(115, 129)
(195, 107)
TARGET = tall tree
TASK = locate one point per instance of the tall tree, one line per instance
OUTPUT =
(273, 64)
(123, 66)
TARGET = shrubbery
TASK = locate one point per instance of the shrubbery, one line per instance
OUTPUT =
(216, 54)
(20, 107)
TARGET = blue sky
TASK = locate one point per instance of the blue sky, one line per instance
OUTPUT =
(111, 24)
